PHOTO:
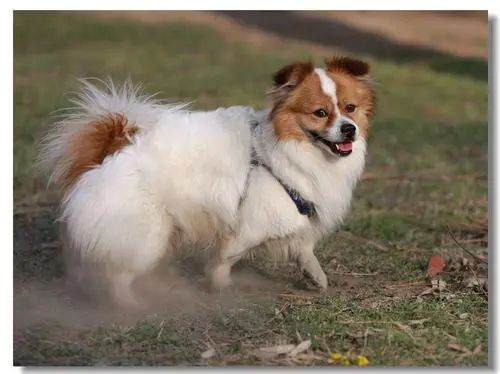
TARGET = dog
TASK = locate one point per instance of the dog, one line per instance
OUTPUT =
(140, 178)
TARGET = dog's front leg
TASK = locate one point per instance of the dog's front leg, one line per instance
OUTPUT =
(309, 264)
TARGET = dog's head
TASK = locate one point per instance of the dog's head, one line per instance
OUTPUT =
(330, 106)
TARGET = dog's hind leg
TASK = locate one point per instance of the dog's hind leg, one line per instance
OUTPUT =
(121, 290)
(121, 280)
(139, 255)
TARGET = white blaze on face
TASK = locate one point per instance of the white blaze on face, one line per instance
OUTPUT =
(330, 88)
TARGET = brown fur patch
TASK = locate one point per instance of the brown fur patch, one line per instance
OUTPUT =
(285, 81)
(348, 65)
(358, 91)
(292, 74)
(297, 94)
(297, 113)
(89, 147)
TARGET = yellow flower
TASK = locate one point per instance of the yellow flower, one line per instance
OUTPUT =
(336, 356)
(361, 361)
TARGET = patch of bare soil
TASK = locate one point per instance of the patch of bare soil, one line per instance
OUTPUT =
(42, 295)
(180, 294)
(463, 34)
(37, 302)
(454, 33)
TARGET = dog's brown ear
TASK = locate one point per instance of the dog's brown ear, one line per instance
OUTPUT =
(352, 66)
(293, 74)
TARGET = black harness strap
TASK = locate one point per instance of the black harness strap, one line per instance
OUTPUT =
(305, 207)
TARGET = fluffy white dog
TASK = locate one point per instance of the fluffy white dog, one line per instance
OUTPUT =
(140, 178)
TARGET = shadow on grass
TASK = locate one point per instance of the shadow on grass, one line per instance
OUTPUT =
(332, 33)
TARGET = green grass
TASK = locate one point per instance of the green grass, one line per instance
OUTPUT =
(427, 169)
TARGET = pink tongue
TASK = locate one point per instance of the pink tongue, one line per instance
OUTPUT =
(345, 147)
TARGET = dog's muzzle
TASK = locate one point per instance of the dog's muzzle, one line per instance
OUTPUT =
(341, 148)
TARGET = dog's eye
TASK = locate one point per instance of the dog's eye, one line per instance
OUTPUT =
(321, 113)
(350, 108)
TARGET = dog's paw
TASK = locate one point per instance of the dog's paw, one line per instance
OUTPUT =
(318, 279)
(220, 278)
(311, 269)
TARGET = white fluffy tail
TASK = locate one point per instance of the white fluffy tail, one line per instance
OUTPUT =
(101, 123)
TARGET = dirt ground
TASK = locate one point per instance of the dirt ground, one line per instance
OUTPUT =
(456, 33)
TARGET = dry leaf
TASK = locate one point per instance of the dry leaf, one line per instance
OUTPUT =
(427, 291)
(438, 284)
(208, 353)
(417, 321)
(301, 347)
(458, 348)
(482, 258)
(435, 266)
(404, 284)
(469, 353)
(476, 281)
(269, 352)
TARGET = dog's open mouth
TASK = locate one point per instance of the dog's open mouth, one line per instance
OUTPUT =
(341, 149)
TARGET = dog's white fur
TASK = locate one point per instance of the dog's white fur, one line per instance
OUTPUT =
(188, 174)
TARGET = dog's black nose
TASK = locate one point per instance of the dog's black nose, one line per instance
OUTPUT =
(348, 130)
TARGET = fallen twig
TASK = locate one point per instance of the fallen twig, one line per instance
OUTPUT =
(369, 241)
(473, 255)
(295, 296)
(354, 274)
(405, 284)
(409, 322)
(468, 241)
